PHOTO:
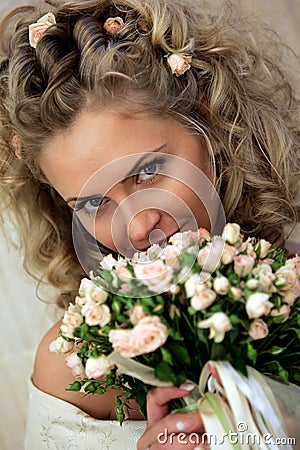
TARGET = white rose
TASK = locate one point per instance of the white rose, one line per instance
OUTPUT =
(264, 247)
(258, 305)
(183, 240)
(252, 284)
(156, 275)
(98, 367)
(85, 286)
(170, 254)
(218, 324)
(221, 285)
(191, 284)
(265, 276)
(74, 362)
(108, 262)
(209, 257)
(231, 233)
(228, 254)
(61, 345)
(203, 299)
(99, 315)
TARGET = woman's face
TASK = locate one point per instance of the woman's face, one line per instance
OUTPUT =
(132, 181)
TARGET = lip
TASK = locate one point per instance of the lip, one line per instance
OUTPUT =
(161, 242)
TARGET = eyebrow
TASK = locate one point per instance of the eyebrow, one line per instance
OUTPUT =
(129, 174)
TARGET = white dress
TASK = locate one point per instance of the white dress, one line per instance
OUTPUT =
(57, 425)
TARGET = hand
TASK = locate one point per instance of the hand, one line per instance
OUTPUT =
(170, 431)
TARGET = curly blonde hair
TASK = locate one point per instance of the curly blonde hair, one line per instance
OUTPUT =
(234, 96)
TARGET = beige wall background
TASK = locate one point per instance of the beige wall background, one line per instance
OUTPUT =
(23, 318)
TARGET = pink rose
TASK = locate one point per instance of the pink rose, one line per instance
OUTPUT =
(137, 314)
(99, 315)
(284, 311)
(258, 329)
(204, 234)
(98, 367)
(156, 275)
(243, 264)
(179, 64)
(287, 277)
(36, 30)
(71, 320)
(122, 343)
(236, 292)
(149, 334)
(291, 295)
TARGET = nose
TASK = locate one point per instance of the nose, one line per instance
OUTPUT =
(141, 225)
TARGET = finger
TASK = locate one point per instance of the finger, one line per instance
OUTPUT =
(172, 424)
(158, 399)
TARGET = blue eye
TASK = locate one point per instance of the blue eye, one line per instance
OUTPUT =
(92, 205)
(149, 170)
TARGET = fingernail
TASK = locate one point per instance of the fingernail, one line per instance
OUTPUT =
(187, 386)
(184, 424)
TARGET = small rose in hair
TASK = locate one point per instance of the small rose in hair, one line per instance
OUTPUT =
(113, 25)
(179, 63)
(36, 30)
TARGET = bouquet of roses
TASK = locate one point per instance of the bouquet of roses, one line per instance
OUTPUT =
(158, 318)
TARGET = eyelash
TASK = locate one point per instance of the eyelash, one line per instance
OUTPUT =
(82, 205)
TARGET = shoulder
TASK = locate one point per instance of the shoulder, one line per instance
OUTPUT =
(53, 376)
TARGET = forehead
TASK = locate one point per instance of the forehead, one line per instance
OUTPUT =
(97, 139)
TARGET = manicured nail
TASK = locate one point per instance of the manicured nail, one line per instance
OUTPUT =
(187, 386)
(184, 424)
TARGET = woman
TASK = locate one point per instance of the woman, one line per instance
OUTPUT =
(122, 123)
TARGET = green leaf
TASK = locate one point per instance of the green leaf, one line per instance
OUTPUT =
(180, 354)
(106, 275)
(275, 350)
(191, 311)
(75, 386)
(284, 375)
(84, 329)
(90, 388)
(163, 372)
(166, 355)
(218, 351)
(251, 353)
(234, 319)
(116, 306)
(119, 409)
